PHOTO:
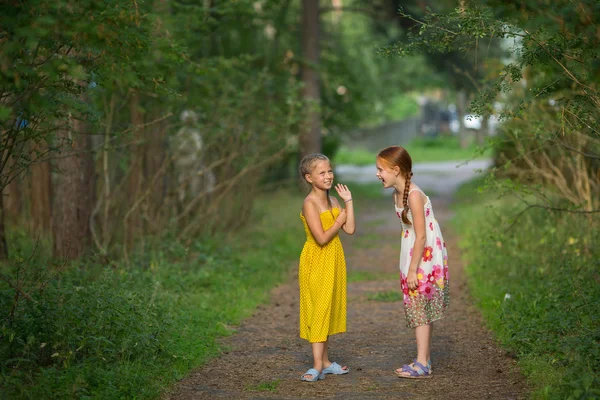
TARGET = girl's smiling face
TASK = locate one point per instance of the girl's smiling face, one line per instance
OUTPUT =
(321, 175)
(386, 175)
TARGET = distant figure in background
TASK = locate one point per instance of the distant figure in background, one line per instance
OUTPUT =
(188, 160)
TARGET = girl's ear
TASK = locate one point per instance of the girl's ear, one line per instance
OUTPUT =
(396, 170)
(307, 177)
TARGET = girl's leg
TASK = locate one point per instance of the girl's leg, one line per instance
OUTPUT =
(430, 337)
(326, 362)
(317, 350)
(423, 334)
(325, 358)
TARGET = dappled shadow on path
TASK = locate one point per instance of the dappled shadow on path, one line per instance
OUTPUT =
(266, 356)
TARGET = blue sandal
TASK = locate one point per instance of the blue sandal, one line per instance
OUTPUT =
(420, 372)
(414, 361)
(316, 375)
(335, 369)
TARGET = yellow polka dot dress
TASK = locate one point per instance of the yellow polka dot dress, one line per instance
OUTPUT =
(322, 281)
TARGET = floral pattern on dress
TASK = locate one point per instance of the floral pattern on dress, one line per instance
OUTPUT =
(431, 299)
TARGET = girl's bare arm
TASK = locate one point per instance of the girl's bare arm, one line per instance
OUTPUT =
(350, 226)
(416, 204)
(311, 213)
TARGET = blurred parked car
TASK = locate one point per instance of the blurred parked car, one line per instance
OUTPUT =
(472, 121)
(475, 122)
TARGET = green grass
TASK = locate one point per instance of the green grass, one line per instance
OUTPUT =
(131, 332)
(373, 223)
(357, 156)
(444, 148)
(363, 192)
(367, 241)
(365, 276)
(265, 386)
(536, 283)
(421, 150)
(402, 107)
(389, 296)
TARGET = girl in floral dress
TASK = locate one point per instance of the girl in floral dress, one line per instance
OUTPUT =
(423, 256)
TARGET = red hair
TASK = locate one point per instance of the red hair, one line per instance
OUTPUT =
(397, 156)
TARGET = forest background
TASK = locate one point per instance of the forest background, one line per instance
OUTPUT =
(148, 168)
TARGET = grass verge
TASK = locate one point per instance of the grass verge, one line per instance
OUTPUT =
(446, 148)
(270, 386)
(366, 276)
(131, 332)
(537, 285)
(389, 296)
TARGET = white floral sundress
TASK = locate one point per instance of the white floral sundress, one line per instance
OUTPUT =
(431, 299)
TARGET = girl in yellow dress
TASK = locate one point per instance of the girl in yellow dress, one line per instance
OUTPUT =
(322, 270)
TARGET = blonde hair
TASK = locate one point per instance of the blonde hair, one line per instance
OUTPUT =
(397, 156)
(307, 164)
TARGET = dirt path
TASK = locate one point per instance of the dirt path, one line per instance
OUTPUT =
(266, 356)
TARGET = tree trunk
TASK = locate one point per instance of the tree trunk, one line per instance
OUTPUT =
(74, 195)
(134, 221)
(310, 135)
(12, 195)
(461, 106)
(154, 156)
(41, 206)
(484, 131)
(3, 245)
(157, 144)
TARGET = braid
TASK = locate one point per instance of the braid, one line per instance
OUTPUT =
(397, 156)
(405, 199)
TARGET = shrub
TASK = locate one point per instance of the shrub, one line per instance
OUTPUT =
(537, 285)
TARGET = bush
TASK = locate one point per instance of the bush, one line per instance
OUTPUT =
(130, 332)
(537, 285)
(109, 320)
